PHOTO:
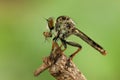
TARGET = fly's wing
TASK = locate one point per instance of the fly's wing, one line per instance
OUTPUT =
(92, 43)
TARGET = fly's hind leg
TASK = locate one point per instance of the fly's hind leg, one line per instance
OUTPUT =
(72, 55)
(64, 43)
(75, 45)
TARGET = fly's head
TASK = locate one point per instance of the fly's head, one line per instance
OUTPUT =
(50, 22)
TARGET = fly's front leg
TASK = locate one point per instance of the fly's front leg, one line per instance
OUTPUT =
(72, 55)
(56, 37)
(63, 44)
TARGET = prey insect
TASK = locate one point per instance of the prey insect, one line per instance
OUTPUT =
(47, 34)
(64, 27)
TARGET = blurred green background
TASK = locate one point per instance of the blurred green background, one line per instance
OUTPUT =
(22, 45)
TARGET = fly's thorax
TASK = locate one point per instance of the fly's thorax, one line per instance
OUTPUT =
(64, 26)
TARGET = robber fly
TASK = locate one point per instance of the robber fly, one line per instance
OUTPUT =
(64, 27)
